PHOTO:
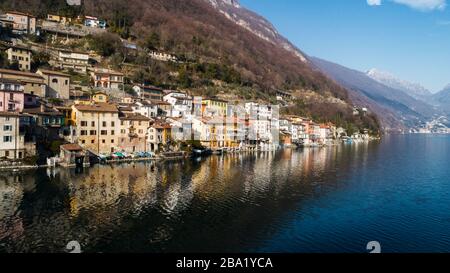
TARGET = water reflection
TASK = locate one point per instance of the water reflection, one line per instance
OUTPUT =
(222, 203)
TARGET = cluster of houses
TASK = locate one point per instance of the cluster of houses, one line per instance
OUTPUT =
(27, 24)
(43, 107)
(154, 120)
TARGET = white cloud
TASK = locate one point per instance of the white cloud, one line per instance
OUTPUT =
(422, 5)
(374, 2)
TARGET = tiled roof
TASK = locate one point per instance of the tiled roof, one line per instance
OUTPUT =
(137, 117)
(38, 111)
(52, 72)
(97, 107)
(71, 147)
(20, 73)
(2, 80)
(149, 87)
(20, 13)
(107, 72)
(9, 114)
(161, 125)
(19, 47)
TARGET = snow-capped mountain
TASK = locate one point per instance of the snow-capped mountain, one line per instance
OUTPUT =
(413, 89)
(254, 23)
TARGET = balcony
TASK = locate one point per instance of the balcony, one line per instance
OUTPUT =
(133, 135)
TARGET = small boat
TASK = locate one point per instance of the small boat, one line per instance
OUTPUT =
(201, 152)
(348, 140)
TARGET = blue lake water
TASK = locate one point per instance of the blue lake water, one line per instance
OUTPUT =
(337, 199)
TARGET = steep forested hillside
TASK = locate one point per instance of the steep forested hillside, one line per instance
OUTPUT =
(215, 48)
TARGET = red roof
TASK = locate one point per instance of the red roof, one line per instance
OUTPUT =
(71, 147)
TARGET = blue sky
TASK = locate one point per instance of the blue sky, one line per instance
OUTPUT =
(408, 38)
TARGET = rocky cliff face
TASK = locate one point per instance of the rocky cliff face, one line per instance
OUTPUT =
(255, 23)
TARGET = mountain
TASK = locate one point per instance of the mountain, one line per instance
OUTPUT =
(255, 23)
(225, 48)
(442, 98)
(413, 89)
(395, 108)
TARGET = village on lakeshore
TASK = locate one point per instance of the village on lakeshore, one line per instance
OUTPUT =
(74, 110)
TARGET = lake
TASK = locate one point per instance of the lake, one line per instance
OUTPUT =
(336, 199)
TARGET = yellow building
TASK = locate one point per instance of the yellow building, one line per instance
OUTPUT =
(59, 19)
(96, 126)
(100, 97)
(222, 132)
(21, 56)
(159, 135)
(133, 133)
(67, 112)
(215, 107)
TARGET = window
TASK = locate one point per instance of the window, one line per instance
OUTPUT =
(83, 132)
(83, 141)
(93, 141)
(11, 96)
(103, 132)
(7, 128)
(7, 139)
(113, 124)
(112, 140)
(112, 132)
(104, 123)
(55, 80)
(122, 131)
(103, 141)
(93, 123)
(66, 82)
(84, 123)
(93, 132)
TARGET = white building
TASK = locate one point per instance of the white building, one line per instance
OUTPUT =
(263, 123)
(94, 22)
(78, 61)
(181, 104)
(145, 108)
(12, 141)
(161, 56)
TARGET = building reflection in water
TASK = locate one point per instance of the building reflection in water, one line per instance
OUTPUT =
(173, 206)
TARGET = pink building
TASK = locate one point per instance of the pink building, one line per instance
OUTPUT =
(11, 96)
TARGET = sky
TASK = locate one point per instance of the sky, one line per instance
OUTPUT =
(407, 38)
